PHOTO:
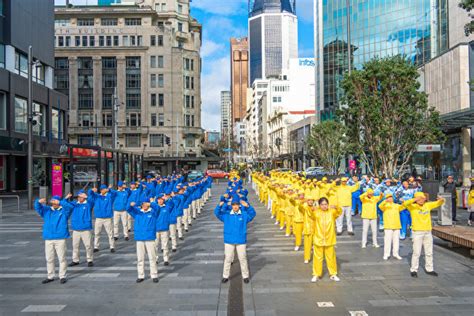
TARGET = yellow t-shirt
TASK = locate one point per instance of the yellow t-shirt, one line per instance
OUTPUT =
(421, 215)
(369, 206)
(391, 215)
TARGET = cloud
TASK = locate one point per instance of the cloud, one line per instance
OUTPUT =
(221, 7)
(210, 48)
(304, 10)
(215, 80)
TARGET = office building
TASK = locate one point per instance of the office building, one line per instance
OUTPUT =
(273, 37)
(143, 58)
(226, 124)
(22, 24)
(239, 66)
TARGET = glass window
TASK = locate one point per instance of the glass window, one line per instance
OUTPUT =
(161, 119)
(107, 100)
(108, 40)
(86, 100)
(109, 80)
(152, 81)
(39, 112)
(21, 64)
(61, 81)
(3, 110)
(109, 63)
(2, 56)
(108, 21)
(56, 122)
(161, 80)
(101, 41)
(125, 40)
(160, 40)
(153, 119)
(133, 100)
(152, 40)
(84, 41)
(91, 41)
(133, 21)
(107, 119)
(180, 27)
(152, 61)
(86, 139)
(180, 8)
(20, 115)
(68, 41)
(57, 22)
(116, 40)
(133, 62)
(60, 41)
(133, 119)
(85, 22)
(132, 140)
(161, 61)
(77, 41)
(133, 81)
(157, 140)
(161, 99)
(153, 99)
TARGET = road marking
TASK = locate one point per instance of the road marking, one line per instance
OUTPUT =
(358, 313)
(43, 308)
(325, 304)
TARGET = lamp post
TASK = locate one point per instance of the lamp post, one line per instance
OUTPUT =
(29, 111)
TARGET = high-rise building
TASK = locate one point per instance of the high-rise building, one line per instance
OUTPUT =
(22, 24)
(273, 37)
(226, 125)
(416, 29)
(144, 57)
(239, 67)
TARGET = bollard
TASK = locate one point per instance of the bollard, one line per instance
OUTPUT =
(43, 192)
(1, 209)
(445, 214)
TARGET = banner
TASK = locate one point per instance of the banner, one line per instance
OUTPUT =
(352, 165)
(57, 179)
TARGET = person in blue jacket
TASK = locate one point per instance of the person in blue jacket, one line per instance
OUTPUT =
(179, 204)
(103, 215)
(162, 228)
(144, 230)
(235, 235)
(173, 204)
(120, 207)
(55, 233)
(81, 225)
(133, 196)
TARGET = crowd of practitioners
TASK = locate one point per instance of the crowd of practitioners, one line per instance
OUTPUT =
(313, 211)
(158, 208)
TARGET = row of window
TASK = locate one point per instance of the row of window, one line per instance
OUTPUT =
(103, 22)
(133, 140)
(101, 41)
(87, 119)
(21, 66)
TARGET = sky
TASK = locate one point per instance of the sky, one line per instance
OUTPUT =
(221, 20)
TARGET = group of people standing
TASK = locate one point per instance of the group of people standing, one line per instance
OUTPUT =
(314, 212)
(159, 208)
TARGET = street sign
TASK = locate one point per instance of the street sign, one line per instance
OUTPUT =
(226, 150)
(428, 148)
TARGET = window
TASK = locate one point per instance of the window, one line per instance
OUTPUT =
(116, 40)
(187, 82)
(186, 63)
(160, 40)
(192, 64)
(85, 139)
(2, 56)
(60, 41)
(21, 125)
(108, 40)
(132, 40)
(187, 120)
(190, 141)
(152, 81)
(21, 64)
(153, 99)
(180, 8)
(107, 119)
(59, 22)
(161, 80)
(68, 41)
(152, 40)
(57, 118)
(109, 63)
(133, 100)
(192, 102)
(132, 140)
(109, 80)
(152, 61)
(180, 27)
(91, 41)
(84, 41)
(153, 119)
(39, 111)
(161, 119)
(192, 83)
(106, 141)
(3, 111)
(85, 119)
(161, 61)
(133, 21)
(101, 41)
(85, 22)
(61, 81)
(38, 73)
(133, 119)
(187, 101)
(157, 140)
(161, 99)
(85, 81)
(133, 81)
(86, 100)
(108, 21)
(133, 62)
(77, 41)
(107, 100)
(125, 41)
(140, 40)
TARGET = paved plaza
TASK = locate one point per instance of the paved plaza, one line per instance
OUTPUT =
(191, 285)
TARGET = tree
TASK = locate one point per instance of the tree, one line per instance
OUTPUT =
(468, 5)
(386, 114)
(328, 143)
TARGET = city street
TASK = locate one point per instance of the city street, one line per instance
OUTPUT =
(191, 284)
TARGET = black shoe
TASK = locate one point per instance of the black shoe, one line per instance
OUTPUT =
(350, 233)
(194, 218)
(167, 263)
(181, 238)
(72, 264)
(115, 238)
(162, 250)
(246, 280)
(190, 224)
(127, 239)
(186, 230)
(90, 264)
(155, 280)
(47, 281)
(224, 280)
(112, 250)
(96, 250)
(140, 280)
(339, 234)
(63, 280)
(129, 230)
(414, 274)
(432, 273)
(173, 250)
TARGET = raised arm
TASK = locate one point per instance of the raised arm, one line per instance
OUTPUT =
(218, 211)
(435, 204)
(250, 213)
(40, 207)
(133, 210)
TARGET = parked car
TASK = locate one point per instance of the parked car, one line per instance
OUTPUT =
(315, 172)
(194, 174)
(217, 174)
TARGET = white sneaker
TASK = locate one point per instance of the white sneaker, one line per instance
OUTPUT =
(314, 279)
(385, 258)
(335, 278)
(398, 257)
(281, 227)
(364, 246)
(306, 262)
(469, 223)
(287, 235)
(276, 223)
(272, 217)
(297, 248)
(376, 246)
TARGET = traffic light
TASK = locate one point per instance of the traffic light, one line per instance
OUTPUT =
(167, 140)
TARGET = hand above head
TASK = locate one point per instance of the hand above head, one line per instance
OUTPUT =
(221, 203)
(68, 196)
(42, 201)
(439, 198)
(244, 203)
(132, 204)
(94, 190)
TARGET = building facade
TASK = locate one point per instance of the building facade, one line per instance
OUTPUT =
(226, 104)
(239, 74)
(377, 28)
(23, 24)
(143, 60)
(273, 37)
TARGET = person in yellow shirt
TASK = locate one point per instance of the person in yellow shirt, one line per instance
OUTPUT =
(298, 220)
(290, 212)
(420, 212)
(308, 229)
(344, 194)
(324, 239)
(470, 204)
(392, 225)
(369, 216)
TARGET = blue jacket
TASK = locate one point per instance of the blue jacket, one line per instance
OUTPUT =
(163, 221)
(55, 221)
(173, 204)
(81, 218)
(102, 204)
(235, 225)
(121, 199)
(145, 222)
(179, 203)
(133, 196)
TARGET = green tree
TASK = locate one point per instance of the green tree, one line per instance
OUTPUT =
(468, 5)
(328, 143)
(386, 114)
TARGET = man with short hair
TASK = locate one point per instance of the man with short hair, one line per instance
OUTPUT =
(103, 215)
(120, 207)
(162, 228)
(450, 187)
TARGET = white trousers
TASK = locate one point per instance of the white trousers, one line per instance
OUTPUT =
(174, 239)
(194, 207)
(229, 250)
(269, 206)
(422, 239)
(391, 239)
(187, 217)
(148, 247)
(86, 237)
(129, 222)
(179, 226)
(107, 223)
(163, 237)
(347, 212)
(365, 231)
(59, 247)
(120, 216)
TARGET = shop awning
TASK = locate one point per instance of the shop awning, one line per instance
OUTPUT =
(458, 119)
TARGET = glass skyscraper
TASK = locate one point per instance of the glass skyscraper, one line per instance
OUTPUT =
(417, 29)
